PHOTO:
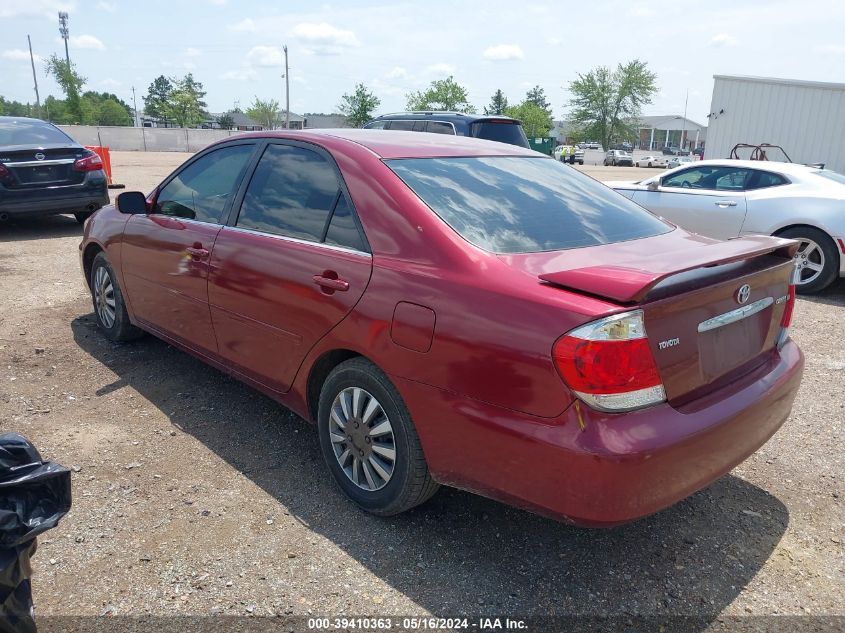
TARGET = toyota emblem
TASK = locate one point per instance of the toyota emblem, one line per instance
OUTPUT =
(40, 156)
(743, 293)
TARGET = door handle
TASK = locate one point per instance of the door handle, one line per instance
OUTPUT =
(725, 203)
(197, 251)
(329, 283)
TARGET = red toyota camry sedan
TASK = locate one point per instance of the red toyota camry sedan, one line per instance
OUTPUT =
(455, 311)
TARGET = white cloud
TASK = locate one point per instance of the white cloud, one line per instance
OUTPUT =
(265, 56)
(640, 11)
(397, 72)
(503, 52)
(440, 69)
(324, 37)
(87, 41)
(723, 39)
(20, 55)
(244, 26)
(24, 8)
(110, 83)
(105, 6)
(218, 3)
(831, 49)
(192, 52)
(241, 74)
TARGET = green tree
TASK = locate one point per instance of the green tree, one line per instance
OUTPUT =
(607, 103)
(498, 103)
(359, 106)
(16, 108)
(535, 120)
(443, 94)
(158, 97)
(266, 113)
(112, 113)
(226, 121)
(185, 104)
(71, 82)
(537, 96)
(54, 109)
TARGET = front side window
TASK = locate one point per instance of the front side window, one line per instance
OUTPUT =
(713, 177)
(202, 190)
(440, 127)
(521, 204)
(503, 131)
(402, 125)
(295, 192)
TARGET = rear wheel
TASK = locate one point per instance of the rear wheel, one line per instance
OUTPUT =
(81, 216)
(816, 261)
(109, 307)
(369, 441)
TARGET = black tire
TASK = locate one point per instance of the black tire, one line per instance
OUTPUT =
(120, 329)
(830, 270)
(81, 216)
(410, 483)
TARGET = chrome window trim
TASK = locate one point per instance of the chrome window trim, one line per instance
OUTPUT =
(181, 219)
(735, 315)
(296, 240)
(35, 163)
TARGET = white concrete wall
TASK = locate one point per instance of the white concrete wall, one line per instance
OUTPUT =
(806, 118)
(140, 139)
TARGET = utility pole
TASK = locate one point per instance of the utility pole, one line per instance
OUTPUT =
(34, 77)
(287, 89)
(684, 125)
(134, 106)
(64, 32)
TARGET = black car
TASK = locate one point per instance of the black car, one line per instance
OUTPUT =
(45, 172)
(491, 127)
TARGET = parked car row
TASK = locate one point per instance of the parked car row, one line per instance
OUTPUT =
(616, 157)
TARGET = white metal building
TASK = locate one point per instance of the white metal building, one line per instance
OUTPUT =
(806, 118)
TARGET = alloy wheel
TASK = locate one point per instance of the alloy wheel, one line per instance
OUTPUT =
(809, 261)
(362, 439)
(104, 297)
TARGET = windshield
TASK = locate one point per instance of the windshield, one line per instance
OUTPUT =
(516, 204)
(503, 131)
(832, 175)
(31, 132)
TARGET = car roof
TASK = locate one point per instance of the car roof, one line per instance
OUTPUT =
(766, 165)
(443, 115)
(395, 144)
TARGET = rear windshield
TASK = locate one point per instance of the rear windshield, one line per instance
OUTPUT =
(502, 131)
(31, 132)
(516, 204)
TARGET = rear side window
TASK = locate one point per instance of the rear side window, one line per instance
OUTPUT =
(440, 127)
(295, 192)
(763, 179)
(503, 131)
(402, 125)
(516, 204)
(31, 132)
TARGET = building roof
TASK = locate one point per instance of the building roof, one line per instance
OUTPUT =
(668, 122)
(786, 82)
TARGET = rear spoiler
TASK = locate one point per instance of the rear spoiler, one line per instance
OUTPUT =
(631, 281)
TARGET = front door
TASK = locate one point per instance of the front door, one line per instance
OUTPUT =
(292, 266)
(166, 254)
(708, 199)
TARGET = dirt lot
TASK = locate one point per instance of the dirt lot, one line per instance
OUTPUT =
(194, 494)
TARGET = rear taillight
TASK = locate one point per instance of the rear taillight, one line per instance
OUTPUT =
(609, 365)
(786, 319)
(4, 172)
(91, 162)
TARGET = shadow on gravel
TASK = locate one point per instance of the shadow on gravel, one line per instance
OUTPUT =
(460, 553)
(833, 295)
(17, 230)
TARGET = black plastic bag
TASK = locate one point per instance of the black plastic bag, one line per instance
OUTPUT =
(34, 495)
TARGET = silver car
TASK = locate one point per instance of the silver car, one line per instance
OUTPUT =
(727, 198)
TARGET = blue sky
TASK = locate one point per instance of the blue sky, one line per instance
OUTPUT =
(234, 46)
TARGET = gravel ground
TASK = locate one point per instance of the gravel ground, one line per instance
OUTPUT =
(194, 494)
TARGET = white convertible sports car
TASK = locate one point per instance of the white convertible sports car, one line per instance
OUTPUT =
(727, 198)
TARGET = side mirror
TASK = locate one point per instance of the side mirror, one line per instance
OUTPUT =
(653, 185)
(131, 202)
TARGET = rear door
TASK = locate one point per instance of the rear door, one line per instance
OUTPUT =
(707, 199)
(290, 266)
(166, 254)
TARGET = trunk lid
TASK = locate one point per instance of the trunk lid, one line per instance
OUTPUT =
(712, 309)
(40, 167)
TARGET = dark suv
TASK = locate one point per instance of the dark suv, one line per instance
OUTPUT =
(45, 172)
(491, 127)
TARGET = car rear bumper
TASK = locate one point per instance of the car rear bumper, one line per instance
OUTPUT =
(92, 193)
(602, 470)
